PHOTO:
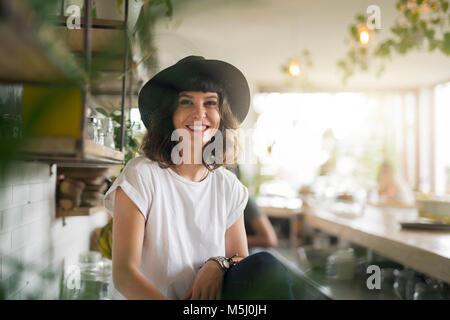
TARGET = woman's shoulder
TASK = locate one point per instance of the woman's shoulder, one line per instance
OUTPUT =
(141, 161)
(143, 165)
(226, 176)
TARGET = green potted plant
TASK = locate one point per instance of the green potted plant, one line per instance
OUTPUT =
(132, 136)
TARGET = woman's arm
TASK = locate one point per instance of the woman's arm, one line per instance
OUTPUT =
(236, 239)
(265, 234)
(207, 284)
(128, 235)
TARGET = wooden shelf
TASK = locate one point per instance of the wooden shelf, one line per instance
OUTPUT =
(107, 44)
(81, 211)
(110, 84)
(107, 48)
(63, 151)
(93, 150)
(96, 23)
(102, 40)
(24, 57)
(104, 63)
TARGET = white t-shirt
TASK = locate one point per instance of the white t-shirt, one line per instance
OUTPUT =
(186, 221)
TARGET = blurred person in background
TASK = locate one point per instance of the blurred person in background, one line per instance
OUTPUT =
(259, 229)
(392, 189)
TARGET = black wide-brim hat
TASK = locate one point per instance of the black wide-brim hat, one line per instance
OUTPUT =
(174, 77)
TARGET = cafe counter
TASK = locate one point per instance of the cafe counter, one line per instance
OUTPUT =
(379, 229)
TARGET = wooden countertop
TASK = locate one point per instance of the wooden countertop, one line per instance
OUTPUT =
(379, 229)
(278, 207)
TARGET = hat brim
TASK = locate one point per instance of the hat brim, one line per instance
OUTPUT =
(173, 78)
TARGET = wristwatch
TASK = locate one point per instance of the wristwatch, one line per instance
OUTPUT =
(224, 262)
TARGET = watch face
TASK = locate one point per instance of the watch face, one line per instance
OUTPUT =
(226, 264)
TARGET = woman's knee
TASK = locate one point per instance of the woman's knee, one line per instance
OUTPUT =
(260, 275)
(263, 265)
(265, 261)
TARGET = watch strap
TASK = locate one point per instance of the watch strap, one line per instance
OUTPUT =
(220, 261)
(224, 262)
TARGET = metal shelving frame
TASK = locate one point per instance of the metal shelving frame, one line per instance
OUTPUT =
(80, 157)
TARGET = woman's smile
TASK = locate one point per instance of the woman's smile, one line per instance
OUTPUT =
(198, 127)
(198, 112)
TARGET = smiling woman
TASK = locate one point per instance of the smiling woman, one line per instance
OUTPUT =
(178, 230)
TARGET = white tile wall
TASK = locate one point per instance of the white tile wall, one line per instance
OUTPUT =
(5, 242)
(30, 233)
(11, 218)
(20, 194)
(5, 197)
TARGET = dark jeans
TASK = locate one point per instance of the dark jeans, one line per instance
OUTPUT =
(258, 276)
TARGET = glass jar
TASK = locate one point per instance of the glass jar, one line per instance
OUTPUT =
(425, 291)
(341, 265)
(95, 276)
(88, 261)
(92, 129)
(105, 279)
(404, 284)
(100, 134)
(387, 278)
(320, 241)
(108, 129)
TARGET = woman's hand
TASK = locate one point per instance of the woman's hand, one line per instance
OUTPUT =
(207, 284)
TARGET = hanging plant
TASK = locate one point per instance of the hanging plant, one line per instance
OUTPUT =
(298, 65)
(420, 25)
(143, 31)
(297, 68)
(132, 137)
(361, 45)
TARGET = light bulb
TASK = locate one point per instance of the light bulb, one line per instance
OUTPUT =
(364, 37)
(294, 69)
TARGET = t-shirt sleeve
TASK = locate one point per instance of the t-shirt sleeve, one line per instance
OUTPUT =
(239, 198)
(252, 210)
(133, 182)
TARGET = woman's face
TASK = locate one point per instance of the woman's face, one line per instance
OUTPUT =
(198, 113)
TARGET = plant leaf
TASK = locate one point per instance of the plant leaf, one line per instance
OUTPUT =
(361, 18)
(102, 111)
(445, 48)
(169, 8)
(119, 5)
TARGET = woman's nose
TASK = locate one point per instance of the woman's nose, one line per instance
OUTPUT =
(199, 111)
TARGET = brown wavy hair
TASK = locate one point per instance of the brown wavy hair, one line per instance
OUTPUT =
(157, 144)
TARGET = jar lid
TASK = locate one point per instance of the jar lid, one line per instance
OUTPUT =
(343, 254)
(90, 257)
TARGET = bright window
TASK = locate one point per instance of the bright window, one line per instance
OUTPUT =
(442, 134)
(302, 131)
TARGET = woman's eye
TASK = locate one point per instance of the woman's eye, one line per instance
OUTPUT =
(211, 103)
(184, 102)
